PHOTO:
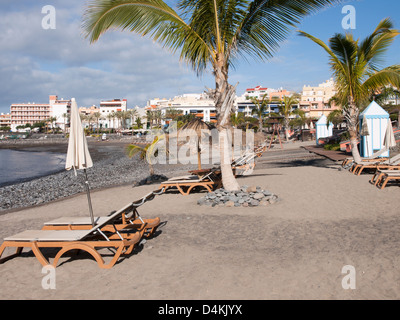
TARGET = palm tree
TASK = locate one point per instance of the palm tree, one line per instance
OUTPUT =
(110, 117)
(133, 113)
(355, 67)
(260, 109)
(286, 110)
(150, 117)
(208, 33)
(145, 152)
(237, 119)
(52, 121)
(65, 116)
(335, 117)
(138, 122)
(97, 116)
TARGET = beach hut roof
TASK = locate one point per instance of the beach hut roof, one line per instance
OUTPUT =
(374, 110)
(322, 121)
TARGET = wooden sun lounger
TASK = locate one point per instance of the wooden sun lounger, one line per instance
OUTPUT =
(186, 184)
(129, 218)
(66, 240)
(379, 174)
(391, 163)
(348, 162)
(385, 177)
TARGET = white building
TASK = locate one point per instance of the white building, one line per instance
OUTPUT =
(23, 113)
(198, 104)
(60, 109)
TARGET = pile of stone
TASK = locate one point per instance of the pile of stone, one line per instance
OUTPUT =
(247, 196)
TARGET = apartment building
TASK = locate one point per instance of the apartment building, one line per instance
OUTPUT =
(115, 105)
(315, 100)
(5, 120)
(275, 96)
(23, 113)
(199, 105)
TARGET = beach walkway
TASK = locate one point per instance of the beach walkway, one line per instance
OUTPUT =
(294, 249)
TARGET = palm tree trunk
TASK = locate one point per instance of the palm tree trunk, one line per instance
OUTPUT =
(287, 129)
(224, 96)
(351, 117)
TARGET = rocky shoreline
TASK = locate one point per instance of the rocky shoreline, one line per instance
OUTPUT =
(111, 168)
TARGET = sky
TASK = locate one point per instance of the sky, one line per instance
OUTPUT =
(36, 62)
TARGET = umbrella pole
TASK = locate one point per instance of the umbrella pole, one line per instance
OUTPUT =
(88, 196)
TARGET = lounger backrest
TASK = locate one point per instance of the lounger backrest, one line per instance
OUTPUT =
(248, 158)
(109, 219)
(378, 153)
(394, 160)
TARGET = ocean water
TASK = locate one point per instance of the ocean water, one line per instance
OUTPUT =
(18, 166)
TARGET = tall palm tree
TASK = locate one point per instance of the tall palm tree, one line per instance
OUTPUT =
(150, 117)
(97, 116)
(208, 33)
(109, 117)
(286, 110)
(133, 113)
(355, 67)
(260, 109)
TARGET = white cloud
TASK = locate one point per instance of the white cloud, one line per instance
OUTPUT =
(35, 63)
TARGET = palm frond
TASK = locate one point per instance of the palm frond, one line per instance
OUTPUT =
(268, 22)
(132, 150)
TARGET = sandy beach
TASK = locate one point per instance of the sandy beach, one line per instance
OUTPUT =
(326, 218)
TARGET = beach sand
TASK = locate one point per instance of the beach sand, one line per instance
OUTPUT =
(294, 249)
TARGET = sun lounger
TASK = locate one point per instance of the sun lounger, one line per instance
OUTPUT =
(348, 162)
(379, 174)
(129, 218)
(185, 184)
(91, 241)
(392, 163)
(385, 176)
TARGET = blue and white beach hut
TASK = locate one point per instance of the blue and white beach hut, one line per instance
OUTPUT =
(377, 121)
(322, 130)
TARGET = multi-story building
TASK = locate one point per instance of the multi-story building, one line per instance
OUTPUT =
(199, 105)
(245, 104)
(60, 110)
(23, 113)
(315, 100)
(5, 120)
(115, 105)
(88, 110)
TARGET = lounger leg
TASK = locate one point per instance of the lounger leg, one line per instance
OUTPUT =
(80, 246)
(383, 185)
(44, 262)
(3, 247)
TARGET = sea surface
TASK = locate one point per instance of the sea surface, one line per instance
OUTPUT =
(19, 166)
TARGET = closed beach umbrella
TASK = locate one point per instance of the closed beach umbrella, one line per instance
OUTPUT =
(364, 127)
(365, 130)
(390, 140)
(78, 156)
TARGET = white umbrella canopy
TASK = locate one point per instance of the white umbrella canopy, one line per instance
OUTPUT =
(78, 156)
(390, 140)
